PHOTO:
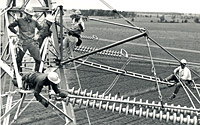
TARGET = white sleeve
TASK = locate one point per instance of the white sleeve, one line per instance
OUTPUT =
(176, 70)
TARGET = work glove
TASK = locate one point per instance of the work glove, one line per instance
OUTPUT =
(45, 103)
(62, 95)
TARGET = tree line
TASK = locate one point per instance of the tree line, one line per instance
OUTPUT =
(109, 13)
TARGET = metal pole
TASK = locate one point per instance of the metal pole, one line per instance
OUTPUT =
(58, 109)
(107, 47)
(117, 24)
(61, 32)
(68, 109)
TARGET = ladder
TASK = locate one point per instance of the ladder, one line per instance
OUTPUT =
(121, 71)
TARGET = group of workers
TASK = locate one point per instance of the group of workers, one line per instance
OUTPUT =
(29, 41)
(32, 42)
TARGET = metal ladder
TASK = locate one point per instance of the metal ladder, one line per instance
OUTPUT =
(121, 71)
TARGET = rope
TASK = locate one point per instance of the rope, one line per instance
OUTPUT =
(78, 78)
(154, 72)
(182, 84)
(116, 78)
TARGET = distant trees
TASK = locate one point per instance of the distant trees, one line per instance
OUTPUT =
(109, 13)
(162, 17)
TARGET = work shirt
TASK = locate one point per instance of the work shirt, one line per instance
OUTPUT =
(36, 81)
(184, 74)
(26, 28)
(77, 27)
(45, 30)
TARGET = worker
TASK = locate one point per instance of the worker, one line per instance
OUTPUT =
(46, 31)
(180, 74)
(37, 81)
(73, 38)
(27, 37)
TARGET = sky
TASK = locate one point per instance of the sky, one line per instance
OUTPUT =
(181, 6)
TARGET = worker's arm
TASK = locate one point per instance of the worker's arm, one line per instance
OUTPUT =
(12, 26)
(176, 70)
(55, 88)
(57, 91)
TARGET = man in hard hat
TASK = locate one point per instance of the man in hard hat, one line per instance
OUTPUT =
(26, 35)
(37, 81)
(181, 73)
(73, 39)
(77, 27)
(46, 31)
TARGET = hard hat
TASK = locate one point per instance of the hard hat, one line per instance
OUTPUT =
(53, 77)
(183, 61)
(29, 11)
(50, 18)
(78, 12)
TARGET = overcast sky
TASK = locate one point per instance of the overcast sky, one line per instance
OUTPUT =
(183, 6)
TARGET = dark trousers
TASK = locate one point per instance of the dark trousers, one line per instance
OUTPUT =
(40, 40)
(178, 85)
(33, 50)
(172, 77)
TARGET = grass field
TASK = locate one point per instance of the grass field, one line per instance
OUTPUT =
(177, 35)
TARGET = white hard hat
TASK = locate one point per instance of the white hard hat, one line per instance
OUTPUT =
(183, 61)
(78, 12)
(50, 18)
(29, 11)
(53, 77)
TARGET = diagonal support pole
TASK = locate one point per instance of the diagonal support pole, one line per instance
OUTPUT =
(58, 109)
(107, 47)
(20, 105)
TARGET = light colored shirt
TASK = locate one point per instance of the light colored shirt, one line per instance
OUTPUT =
(184, 74)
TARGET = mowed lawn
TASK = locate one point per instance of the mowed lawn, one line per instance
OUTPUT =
(177, 35)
